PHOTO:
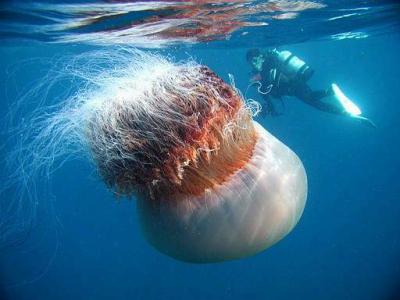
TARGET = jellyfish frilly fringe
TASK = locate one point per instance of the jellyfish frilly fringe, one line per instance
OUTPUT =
(152, 126)
(163, 131)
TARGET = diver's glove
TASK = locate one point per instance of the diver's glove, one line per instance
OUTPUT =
(269, 109)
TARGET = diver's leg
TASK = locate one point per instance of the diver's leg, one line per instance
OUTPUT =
(315, 99)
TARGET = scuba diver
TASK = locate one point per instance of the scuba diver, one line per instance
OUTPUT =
(280, 73)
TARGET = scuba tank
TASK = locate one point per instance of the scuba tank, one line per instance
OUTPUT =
(292, 66)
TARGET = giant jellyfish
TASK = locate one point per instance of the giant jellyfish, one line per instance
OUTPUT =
(211, 184)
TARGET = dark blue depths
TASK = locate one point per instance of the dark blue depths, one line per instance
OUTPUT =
(346, 246)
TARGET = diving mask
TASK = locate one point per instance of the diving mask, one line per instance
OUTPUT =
(257, 62)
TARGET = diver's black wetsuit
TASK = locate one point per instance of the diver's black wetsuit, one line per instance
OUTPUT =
(276, 84)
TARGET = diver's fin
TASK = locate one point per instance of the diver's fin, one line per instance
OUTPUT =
(366, 121)
(348, 107)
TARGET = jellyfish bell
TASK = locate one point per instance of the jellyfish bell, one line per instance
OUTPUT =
(211, 184)
(252, 209)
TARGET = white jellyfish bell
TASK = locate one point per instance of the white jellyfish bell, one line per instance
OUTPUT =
(211, 183)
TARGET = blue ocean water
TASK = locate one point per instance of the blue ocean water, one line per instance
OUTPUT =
(88, 245)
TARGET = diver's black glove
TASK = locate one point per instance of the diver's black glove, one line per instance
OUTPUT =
(269, 109)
